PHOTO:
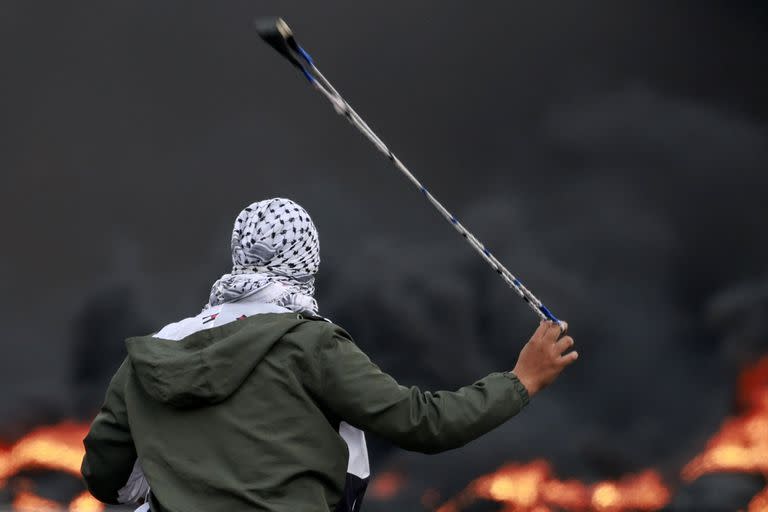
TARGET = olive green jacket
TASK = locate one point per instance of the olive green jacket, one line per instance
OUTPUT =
(245, 416)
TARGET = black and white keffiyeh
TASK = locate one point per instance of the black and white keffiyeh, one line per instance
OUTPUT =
(275, 255)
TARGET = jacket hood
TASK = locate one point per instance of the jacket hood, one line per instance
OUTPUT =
(208, 366)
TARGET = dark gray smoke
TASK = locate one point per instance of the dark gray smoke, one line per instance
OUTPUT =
(616, 267)
(613, 156)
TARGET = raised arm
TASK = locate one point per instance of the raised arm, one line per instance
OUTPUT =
(356, 390)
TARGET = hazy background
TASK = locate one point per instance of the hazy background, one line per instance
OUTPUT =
(614, 155)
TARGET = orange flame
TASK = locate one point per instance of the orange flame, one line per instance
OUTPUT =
(532, 488)
(386, 485)
(741, 445)
(27, 502)
(58, 448)
(644, 491)
(55, 448)
(85, 503)
(760, 502)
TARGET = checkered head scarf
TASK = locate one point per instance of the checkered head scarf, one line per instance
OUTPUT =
(275, 255)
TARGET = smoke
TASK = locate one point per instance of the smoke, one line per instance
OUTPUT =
(616, 247)
(622, 181)
(720, 492)
(613, 248)
(107, 318)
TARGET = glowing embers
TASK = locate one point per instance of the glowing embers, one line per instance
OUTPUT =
(386, 485)
(644, 491)
(741, 445)
(58, 448)
(27, 501)
(85, 503)
(532, 488)
(55, 448)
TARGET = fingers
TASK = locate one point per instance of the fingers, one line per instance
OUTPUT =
(551, 336)
(569, 358)
(563, 345)
(552, 331)
(540, 330)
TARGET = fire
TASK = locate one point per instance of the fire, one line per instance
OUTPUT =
(85, 503)
(27, 502)
(54, 448)
(58, 448)
(533, 488)
(741, 445)
(644, 491)
(386, 485)
(513, 484)
(760, 502)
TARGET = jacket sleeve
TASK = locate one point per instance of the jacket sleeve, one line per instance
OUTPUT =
(357, 391)
(110, 454)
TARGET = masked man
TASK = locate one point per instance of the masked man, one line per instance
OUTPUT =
(258, 403)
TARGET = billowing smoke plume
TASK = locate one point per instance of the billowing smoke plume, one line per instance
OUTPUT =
(633, 248)
(621, 178)
(625, 247)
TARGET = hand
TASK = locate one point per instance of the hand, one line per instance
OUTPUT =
(542, 359)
